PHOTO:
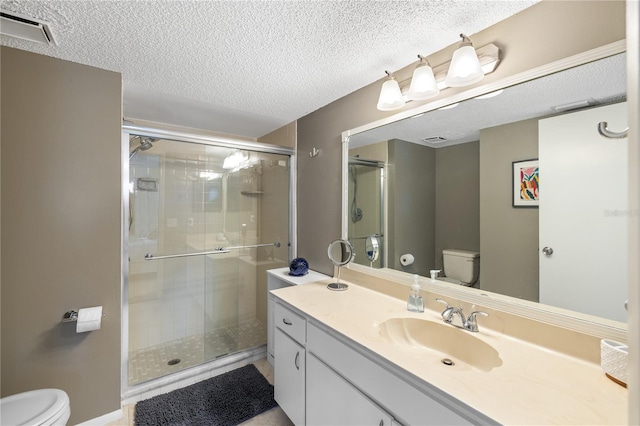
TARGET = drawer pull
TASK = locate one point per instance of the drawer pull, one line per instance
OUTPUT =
(296, 361)
(286, 321)
(381, 422)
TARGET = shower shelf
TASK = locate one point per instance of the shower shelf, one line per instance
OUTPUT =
(252, 192)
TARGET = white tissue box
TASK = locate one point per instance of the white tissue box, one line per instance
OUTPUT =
(614, 359)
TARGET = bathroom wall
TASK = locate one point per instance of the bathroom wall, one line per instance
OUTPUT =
(61, 228)
(284, 136)
(527, 40)
(457, 199)
(508, 236)
(412, 211)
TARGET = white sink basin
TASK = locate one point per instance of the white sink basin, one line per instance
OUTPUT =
(441, 340)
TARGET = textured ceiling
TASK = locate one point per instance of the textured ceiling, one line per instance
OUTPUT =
(249, 67)
(598, 82)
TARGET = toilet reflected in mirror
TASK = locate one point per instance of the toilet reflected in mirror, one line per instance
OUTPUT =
(340, 253)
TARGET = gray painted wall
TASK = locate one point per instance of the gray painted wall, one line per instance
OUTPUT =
(508, 235)
(457, 199)
(412, 212)
(61, 228)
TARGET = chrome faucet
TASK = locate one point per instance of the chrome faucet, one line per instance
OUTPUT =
(450, 314)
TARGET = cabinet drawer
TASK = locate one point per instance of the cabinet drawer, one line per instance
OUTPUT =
(291, 323)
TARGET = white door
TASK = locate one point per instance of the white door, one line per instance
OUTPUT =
(584, 212)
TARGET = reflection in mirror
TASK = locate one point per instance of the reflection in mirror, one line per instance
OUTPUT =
(366, 204)
(449, 186)
(340, 253)
(372, 248)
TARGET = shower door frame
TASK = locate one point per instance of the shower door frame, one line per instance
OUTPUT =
(382, 167)
(218, 141)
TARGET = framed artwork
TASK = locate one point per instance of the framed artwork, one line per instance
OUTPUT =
(526, 183)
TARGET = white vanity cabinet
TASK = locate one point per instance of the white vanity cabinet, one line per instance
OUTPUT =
(290, 357)
(324, 378)
(406, 400)
(331, 400)
(280, 278)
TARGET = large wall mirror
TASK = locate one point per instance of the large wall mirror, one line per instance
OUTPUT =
(449, 179)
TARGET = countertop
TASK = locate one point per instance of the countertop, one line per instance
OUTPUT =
(533, 386)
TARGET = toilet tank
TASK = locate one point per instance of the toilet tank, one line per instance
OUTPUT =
(462, 265)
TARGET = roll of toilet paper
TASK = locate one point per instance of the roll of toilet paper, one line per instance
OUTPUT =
(406, 259)
(89, 319)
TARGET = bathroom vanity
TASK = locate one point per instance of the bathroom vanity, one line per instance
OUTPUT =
(280, 278)
(359, 357)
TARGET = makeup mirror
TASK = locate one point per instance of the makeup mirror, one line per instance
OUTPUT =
(340, 253)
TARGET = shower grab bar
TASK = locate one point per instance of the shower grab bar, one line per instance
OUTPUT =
(218, 250)
(367, 236)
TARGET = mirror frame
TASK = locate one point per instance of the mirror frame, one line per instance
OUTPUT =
(577, 321)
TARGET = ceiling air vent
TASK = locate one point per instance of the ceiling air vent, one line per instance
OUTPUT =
(434, 139)
(26, 28)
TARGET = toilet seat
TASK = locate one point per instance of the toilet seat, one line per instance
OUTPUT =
(42, 407)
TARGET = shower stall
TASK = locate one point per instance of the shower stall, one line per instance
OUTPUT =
(204, 219)
(366, 190)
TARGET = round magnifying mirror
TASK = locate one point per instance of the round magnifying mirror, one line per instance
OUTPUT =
(372, 248)
(340, 253)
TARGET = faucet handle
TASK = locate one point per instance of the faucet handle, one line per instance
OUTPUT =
(472, 322)
(443, 301)
(447, 314)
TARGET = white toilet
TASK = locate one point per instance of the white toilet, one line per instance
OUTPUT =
(461, 267)
(42, 407)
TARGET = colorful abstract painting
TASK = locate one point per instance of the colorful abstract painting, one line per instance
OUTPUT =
(526, 183)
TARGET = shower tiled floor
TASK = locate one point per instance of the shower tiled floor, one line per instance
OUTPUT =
(153, 362)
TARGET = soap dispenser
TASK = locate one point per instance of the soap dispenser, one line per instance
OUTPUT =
(415, 302)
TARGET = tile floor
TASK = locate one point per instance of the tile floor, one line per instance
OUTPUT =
(152, 362)
(273, 417)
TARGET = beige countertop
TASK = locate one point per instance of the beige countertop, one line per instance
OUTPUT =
(533, 386)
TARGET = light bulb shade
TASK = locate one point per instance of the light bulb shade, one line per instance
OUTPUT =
(390, 96)
(423, 84)
(464, 68)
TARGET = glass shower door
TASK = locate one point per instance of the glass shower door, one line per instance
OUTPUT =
(186, 199)
(366, 208)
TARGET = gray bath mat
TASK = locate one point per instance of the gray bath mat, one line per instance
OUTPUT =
(225, 400)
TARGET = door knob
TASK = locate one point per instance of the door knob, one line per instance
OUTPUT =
(547, 251)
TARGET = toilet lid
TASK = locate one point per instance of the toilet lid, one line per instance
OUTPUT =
(33, 407)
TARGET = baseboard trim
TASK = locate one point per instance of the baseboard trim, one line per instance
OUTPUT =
(104, 419)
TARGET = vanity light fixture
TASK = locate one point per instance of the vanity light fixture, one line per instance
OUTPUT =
(465, 66)
(390, 94)
(449, 74)
(423, 83)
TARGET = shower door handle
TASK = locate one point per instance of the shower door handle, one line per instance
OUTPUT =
(296, 361)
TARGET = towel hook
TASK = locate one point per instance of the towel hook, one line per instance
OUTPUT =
(602, 129)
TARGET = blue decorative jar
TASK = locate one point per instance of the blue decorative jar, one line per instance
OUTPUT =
(298, 267)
